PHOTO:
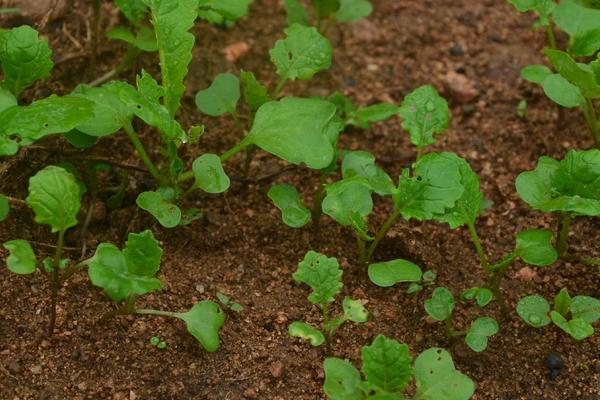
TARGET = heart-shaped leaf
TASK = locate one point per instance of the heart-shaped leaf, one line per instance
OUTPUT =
(479, 332)
(21, 259)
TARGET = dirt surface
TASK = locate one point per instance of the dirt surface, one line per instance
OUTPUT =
(243, 249)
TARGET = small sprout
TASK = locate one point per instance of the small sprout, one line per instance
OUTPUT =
(521, 107)
(226, 301)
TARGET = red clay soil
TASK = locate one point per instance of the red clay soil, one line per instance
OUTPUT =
(243, 249)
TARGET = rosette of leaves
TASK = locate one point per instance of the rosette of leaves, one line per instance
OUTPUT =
(324, 276)
(388, 371)
(327, 12)
(131, 272)
(441, 305)
(573, 315)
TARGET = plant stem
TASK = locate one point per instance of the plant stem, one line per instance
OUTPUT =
(249, 156)
(550, 33)
(143, 155)
(380, 235)
(362, 251)
(160, 313)
(55, 281)
(238, 124)
(69, 271)
(451, 332)
(325, 308)
(279, 88)
(563, 234)
(234, 150)
(477, 243)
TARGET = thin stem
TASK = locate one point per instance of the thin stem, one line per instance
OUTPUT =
(249, 156)
(362, 250)
(279, 88)
(550, 34)
(69, 271)
(235, 149)
(143, 155)
(325, 308)
(381, 234)
(593, 122)
(477, 243)
(145, 311)
(451, 332)
(563, 234)
(419, 153)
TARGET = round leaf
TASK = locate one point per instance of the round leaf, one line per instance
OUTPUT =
(209, 174)
(480, 330)
(21, 259)
(577, 328)
(348, 197)
(536, 73)
(534, 310)
(341, 380)
(386, 274)
(221, 97)
(535, 247)
(586, 308)
(482, 296)
(167, 214)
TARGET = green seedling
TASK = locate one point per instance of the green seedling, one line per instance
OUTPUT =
(159, 344)
(324, 276)
(388, 371)
(427, 279)
(584, 311)
(223, 12)
(568, 188)
(326, 13)
(521, 108)
(129, 273)
(440, 308)
(226, 301)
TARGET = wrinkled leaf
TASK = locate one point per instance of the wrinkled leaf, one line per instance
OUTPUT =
(354, 310)
(386, 365)
(255, 93)
(322, 274)
(142, 253)
(424, 114)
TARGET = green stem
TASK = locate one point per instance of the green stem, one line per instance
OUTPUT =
(325, 308)
(238, 124)
(143, 155)
(381, 234)
(160, 313)
(592, 121)
(69, 271)
(362, 251)
(279, 87)
(563, 234)
(419, 153)
(477, 243)
(235, 149)
(550, 33)
(451, 332)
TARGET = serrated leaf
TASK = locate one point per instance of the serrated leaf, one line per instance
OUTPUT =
(306, 332)
(353, 10)
(480, 330)
(386, 274)
(535, 247)
(341, 380)
(221, 97)
(562, 92)
(322, 274)
(24, 58)
(142, 253)
(172, 19)
(297, 130)
(586, 308)
(209, 173)
(347, 198)
(577, 328)
(287, 199)
(425, 114)
(204, 320)
(21, 259)
(144, 39)
(569, 185)
(441, 304)
(4, 207)
(534, 310)
(354, 310)
(55, 197)
(362, 164)
(167, 214)
(482, 296)
(437, 378)
(303, 53)
(386, 365)
(296, 13)
(536, 73)
(255, 93)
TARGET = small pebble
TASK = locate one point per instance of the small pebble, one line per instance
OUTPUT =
(456, 50)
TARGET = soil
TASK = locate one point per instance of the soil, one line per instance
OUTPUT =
(243, 249)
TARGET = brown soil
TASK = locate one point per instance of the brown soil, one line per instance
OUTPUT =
(243, 249)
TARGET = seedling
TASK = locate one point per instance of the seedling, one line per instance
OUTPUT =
(327, 12)
(126, 274)
(440, 308)
(428, 278)
(226, 301)
(521, 108)
(584, 311)
(388, 371)
(568, 188)
(223, 12)
(324, 276)
(159, 344)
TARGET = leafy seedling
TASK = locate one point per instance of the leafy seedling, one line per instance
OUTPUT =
(159, 344)
(582, 310)
(427, 279)
(226, 301)
(388, 370)
(441, 305)
(327, 12)
(126, 274)
(324, 276)
(223, 13)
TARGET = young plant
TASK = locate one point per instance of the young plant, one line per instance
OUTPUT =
(129, 273)
(327, 12)
(223, 12)
(440, 308)
(388, 372)
(568, 188)
(324, 276)
(226, 302)
(159, 344)
(584, 311)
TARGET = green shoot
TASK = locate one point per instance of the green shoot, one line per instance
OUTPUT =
(159, 344)
(327, 12)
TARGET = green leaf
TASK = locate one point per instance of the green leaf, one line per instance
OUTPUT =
(348, 198)
(575, 19)
(142, 253)
(167, 214)
(438, 379)
(306, 332)
(4, 207)
(79, 139)
(42, 118)
(221, 97)
(204, 320)
(255, 93)
(577, 328)
(322, 274)
(579, 75)
(425, 114)
(480, 330)
(228, 10)
(435, 186)
(325, 8)
(536, 73)
(535, 247)
(364, 116)
(482, 296)
(144, 39)
(569, 185)
(386, 274)
(21, 259)
(386, 365)
(441, 304)
(110, 270)
(172, 20)
(562, 302)
(297, 130)
(585, 308)
(303, 53)
(296, 13)
(586, 44)
(353, 10)
(354, 310)
(209, 174)
(534, 310)
(287, 199)
(7, 99)
(562, 92)
(342, 380)
(134, 10)
(362, 164)
(24, 58)
(359, 224)
(55, 197)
